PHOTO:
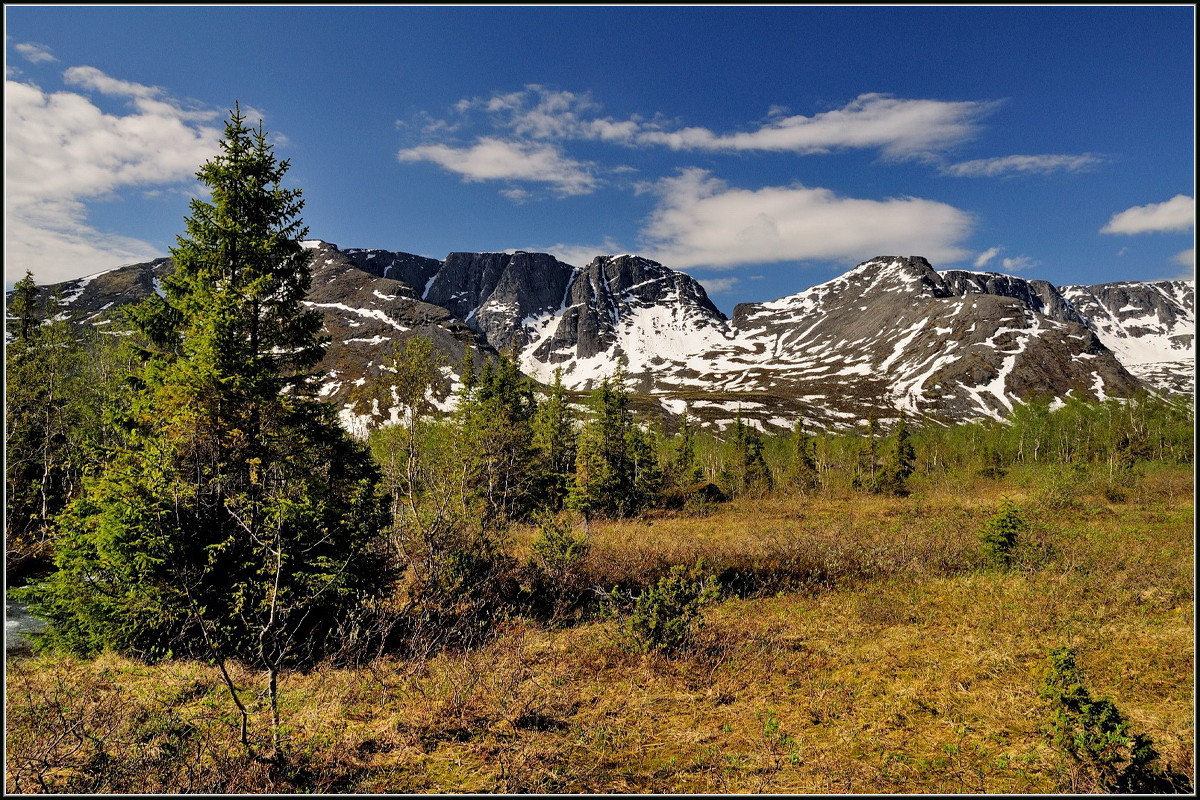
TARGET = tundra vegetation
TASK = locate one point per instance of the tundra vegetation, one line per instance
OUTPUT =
(541, 592)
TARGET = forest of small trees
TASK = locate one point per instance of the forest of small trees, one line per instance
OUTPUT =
(182, 491)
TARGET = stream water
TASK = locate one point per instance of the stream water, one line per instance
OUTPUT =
(17, 623)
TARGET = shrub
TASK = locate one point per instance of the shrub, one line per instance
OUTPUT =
(1062, 486)
(696, 497)
(1104, 753)
(667, 615)
(555, 558)
(1001, 532)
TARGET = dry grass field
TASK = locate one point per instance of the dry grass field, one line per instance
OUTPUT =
(862, 645)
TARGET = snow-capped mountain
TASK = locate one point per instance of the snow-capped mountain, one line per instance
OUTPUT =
(1151, 327)
(890, 335)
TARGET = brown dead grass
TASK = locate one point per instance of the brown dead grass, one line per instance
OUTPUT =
(910, 670)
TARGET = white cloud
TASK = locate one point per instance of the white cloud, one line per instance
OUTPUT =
(92, 78)
(900, 128)
(62, 151)
(1017, 264)
(1175, 215)
(986, 256)
(718, 285)
(702, 222)
(1038, 164)
(579, 255)
(35, 53)
(497, 159)
(1187, 259)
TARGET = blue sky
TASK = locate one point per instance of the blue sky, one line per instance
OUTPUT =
(762, 150)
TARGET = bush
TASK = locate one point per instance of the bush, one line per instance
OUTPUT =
(700, 496)
(555, 559)
(667, 615)
(1061, 487)
(1105, 755)
(1001, 533)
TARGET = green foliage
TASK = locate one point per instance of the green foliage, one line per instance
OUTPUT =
(1061, 487)
(865, 474)
(992, 465)
(885, 469)
(408, 375)
(556, 555)
(802, 471)
(494, 416)
(448, 546)
(746, 470)
(683, 468)
(44, 366)
(616, 465)
(1002, 532)
(23, 307)
(63, 390)
(1105, 754)
(1118, 433)
(646, 475)
(557, 549)
(899, 462)
(667, 615)
(233, 516)
(555, 439)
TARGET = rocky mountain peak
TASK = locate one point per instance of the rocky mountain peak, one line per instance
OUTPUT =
(891, 333)
(1041, 296)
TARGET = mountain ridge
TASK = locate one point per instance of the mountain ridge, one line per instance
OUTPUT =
(890, 335)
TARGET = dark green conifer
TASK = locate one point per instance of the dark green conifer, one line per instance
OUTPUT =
(683, 469)
(616, 468)
(554, 436)
(803, 472)
(236, 518)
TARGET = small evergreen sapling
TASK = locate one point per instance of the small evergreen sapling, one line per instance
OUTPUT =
(667, 616)
(1002, 532)
(1105, 755)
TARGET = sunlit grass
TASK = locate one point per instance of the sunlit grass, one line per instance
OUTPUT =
(905, 666)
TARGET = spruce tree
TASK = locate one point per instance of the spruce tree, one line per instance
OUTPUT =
(236, 519)
(495, 419)
(803, 472)
(683, 470)
(746, 468)
(899, 461)
(865, 474)
(23, 307)
(616, 470)
(554, 436)
(646, 474)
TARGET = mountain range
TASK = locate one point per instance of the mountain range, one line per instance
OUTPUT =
(891, 335)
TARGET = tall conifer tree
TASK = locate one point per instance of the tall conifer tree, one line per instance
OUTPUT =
(236, 518)
(555, 437)
(616, 467)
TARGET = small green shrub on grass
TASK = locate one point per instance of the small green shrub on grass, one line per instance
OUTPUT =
(667, 615)
(1002, 532)
(556, 556)
(1105, 755)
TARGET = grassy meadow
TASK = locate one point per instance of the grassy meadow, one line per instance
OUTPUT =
(861, 644)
